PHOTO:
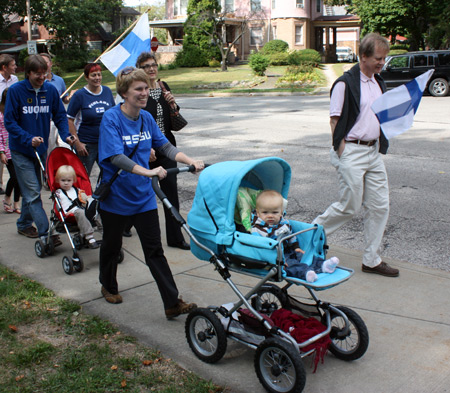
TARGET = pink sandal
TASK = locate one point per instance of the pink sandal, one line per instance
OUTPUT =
(7, 207)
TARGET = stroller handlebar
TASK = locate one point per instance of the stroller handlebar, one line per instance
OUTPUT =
(171, 172)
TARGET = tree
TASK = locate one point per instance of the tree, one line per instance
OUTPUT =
(68, 20)
(155, 12)
(7, 8)
(198, 30)
(206, 26)
(418, 20)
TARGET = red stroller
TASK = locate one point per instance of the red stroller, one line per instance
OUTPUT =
(59, 221)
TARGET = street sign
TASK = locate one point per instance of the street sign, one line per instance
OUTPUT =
(154, 44)
(32, 47)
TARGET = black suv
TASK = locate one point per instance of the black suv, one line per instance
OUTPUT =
(400, 69)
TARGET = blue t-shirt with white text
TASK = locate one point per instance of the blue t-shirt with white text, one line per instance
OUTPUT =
(130, 193)
(87, 109)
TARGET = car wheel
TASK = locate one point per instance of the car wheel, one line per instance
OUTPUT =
(438, 87)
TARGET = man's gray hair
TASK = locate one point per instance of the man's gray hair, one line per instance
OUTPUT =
(370, 42)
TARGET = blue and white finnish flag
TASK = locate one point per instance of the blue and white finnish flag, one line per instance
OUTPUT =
(126, 53)
(396, 108)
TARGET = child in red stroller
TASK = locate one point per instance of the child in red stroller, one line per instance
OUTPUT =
(63, 217)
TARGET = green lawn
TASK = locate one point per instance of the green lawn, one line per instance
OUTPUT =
(49, 345)
(183, 80)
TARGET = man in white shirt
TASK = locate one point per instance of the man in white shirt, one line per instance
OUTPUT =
(7, 78)
(358, 143)
(7, 70)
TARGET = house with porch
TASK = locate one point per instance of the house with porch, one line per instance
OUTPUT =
(100, 39)
(301, 23)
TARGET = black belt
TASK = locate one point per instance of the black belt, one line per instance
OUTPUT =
(365, 143)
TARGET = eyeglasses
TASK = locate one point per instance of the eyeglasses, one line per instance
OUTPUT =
(148, 66)
(127, 70)
(40, 74)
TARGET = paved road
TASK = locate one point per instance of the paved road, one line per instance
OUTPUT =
(296, 129)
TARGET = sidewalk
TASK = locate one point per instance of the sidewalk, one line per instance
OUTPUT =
(408, 317)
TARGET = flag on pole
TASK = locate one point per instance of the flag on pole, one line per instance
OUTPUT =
(126, 53)
(396, 108)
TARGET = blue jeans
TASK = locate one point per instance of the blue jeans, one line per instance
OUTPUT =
(89, 160)
(29, 179)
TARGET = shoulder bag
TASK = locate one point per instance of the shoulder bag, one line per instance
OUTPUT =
(178, 121)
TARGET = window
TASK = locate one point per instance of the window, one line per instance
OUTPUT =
(256, 36)
(399, 62)
(299, 35)
(300, 4)
(423, 60)
(180, 7)
(318, 5)
(444, 59)
(256, 5)
(35, 31)
(229, 5)
(274, 4)
(274, 32)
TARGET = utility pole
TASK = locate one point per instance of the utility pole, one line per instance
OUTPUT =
(29, 19)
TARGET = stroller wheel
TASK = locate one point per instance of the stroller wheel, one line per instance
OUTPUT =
(348, 344)
(50, 248)
(78, 264)
(121, 256)
(270, 298)
(279, 366)
(206, 335)
(67, 265)
(39, 248)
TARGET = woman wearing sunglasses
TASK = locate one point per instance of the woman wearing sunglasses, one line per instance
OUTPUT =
(127, 135)
(158, 105)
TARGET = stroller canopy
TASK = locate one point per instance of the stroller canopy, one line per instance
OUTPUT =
(212, 213)
(62, 156)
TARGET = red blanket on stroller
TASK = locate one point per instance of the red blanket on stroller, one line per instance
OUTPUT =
(302, 329)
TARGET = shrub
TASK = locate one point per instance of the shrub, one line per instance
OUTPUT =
(304, 56)
(258, 63)
(193, 57)
(399, 46)
(280, 58)
(298, 69)
(397, 52)
(23, 54)
(214, 63)
(70, 58)
(275, 46)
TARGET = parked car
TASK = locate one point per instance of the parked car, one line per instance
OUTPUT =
(403, 68)
(344, 53)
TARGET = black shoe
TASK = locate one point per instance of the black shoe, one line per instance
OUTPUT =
(181, 245)
(127, 234)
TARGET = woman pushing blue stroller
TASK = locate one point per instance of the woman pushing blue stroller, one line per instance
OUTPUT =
(218, 225)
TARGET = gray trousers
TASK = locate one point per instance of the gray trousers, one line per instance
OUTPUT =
(363, 183)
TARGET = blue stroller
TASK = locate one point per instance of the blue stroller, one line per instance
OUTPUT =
(214, 237)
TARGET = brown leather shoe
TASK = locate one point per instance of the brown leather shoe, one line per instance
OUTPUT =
(383, 269)
(110, 298)
(181, 308)
(30, 232)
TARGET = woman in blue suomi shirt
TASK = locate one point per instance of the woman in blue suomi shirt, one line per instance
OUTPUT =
(132, 197)
(85, 112)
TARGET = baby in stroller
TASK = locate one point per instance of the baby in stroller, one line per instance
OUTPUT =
(73, 201)
(268, 221)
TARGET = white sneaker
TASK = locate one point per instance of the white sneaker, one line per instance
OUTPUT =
(329, 266)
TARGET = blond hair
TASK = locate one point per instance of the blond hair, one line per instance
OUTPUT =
(269, 196)
(125, 79)
(65, 170)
